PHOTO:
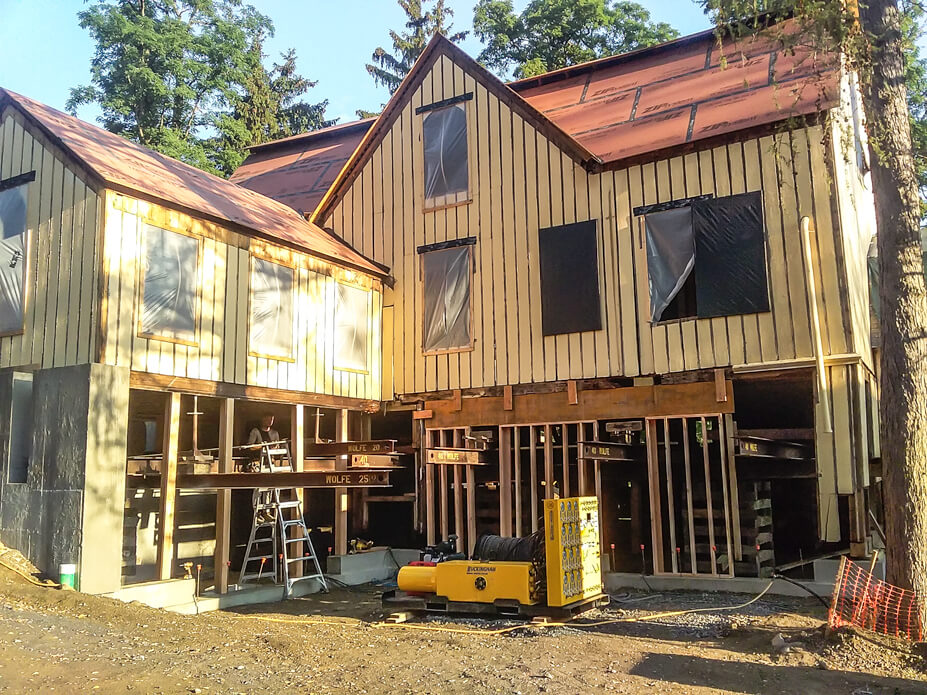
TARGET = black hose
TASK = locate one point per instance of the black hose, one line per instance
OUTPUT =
(802, 586)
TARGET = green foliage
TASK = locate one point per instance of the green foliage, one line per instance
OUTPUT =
(185, 78)
(389, 69)
(552, 34)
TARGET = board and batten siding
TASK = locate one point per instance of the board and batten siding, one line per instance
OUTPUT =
(221, 352)
(64, 220)
(520, 182)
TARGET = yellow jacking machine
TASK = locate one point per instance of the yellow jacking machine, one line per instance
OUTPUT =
(527, 576)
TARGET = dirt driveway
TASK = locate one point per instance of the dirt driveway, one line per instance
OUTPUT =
(64, 642)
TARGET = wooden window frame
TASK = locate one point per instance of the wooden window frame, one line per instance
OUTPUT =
(295, 293)
(198, 302)
(369, 317)
(421, 284)
(453, 200)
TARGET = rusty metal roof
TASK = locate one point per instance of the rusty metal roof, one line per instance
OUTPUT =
(129, 167)
(299, 170)
(659, 98)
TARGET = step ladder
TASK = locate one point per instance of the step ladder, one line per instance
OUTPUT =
(278, 524)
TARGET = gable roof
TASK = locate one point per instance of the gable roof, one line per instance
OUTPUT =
(128, 167)
(299, 170)
(638, 105)
(437, 47)
(666, 96)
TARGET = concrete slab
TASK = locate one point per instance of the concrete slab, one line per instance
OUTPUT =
(741, 585)
(826, 570)
(374, 565)
(157, 594)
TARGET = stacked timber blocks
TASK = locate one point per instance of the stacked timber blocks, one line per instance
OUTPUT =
(756, 530)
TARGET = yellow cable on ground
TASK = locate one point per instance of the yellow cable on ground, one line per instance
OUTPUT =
(28, 577)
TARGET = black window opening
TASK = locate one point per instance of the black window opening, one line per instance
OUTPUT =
(569, 278)
(707, 258)
(446, 287)
(21, 418)
(445, 145)
(13, 245)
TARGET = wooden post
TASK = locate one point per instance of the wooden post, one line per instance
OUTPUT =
(670, 502)
(363, 493)
(459, 496)
(598, 495)
(429, 491)
(653, 485)
(298, 454)
(580, 461)
(341, 493)
(693, 562)
(168, 485)
(533, 474)
(505, 481)
(726, 495)
(709, 509)
(442, 494)
(735, 494)
(518, 514)
(471, 504)
(565, 440)
(548, 464)
(224, 497)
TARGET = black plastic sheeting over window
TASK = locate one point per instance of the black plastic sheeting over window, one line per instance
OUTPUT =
(721, 241)
(169, 296)
(352, 311)
(670, 256)
(730, 252)
(12, 257)
(569, 279)
(445, 138)
(271, 309)
(446, 275)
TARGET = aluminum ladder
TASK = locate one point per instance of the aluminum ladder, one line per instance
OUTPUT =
(277, 524)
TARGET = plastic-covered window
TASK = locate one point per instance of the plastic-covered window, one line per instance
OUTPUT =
(13, 244)
(445, 138)
(272, 287)
(446, 276)
(352, 311)
(169, 285)
(670, 256)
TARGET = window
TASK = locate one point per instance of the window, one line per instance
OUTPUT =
(169, 285)
(706, 257)
(569, 279)
(20, 428)
(13, 244)
(446, 286)
(272, 287)
(445, 139)
(352, 313)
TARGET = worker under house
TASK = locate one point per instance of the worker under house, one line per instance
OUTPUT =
(642, 278)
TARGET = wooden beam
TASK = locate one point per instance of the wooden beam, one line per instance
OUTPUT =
(505, 481)
(342, 434)
(630, 402)
(168, 494)
(220, 389)
(224, 497)
(337, 480)
(422, 414)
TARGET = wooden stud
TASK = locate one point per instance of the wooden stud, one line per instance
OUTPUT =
(471, 505)
(341, 493)
(507, 398)
(168, 486)
(720, 386)
(443, 490)
(548, 464)
(533, 475)
(505, 481)
(731, 499)
(572, 395)
(693, 565)
(430, 534)
(518, 498)
(224, 497)
(581, 462)
(670, 502)
(458, 495)
(565, 441)
(298, 455)
(656, 516)
(709, 508)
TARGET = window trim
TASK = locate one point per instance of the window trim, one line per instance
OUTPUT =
(452, 200)
(6, 185)
(291, 358)
(421, 291)
(369, 292)
(198, 301)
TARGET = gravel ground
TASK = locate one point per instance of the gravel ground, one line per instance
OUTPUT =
(57, 641)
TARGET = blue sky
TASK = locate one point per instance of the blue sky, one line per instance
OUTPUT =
(43, 51)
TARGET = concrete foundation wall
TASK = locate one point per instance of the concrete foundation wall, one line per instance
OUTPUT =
(70, 507)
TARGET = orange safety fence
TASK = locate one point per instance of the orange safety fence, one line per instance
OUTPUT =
(862, 600)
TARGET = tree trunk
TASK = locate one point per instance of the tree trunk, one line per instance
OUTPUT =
(903, 302)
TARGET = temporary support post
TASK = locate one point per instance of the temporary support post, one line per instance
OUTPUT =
(722, 445)
(565, 440)
(598, 493)
(442, 492)
(670, 502)
(518, 514)
(224, 497)
(298, 453)
(710, 508)
(168, 485)
(687, 455)
(459, 495)
(505, 481)
(533, 474)
(341, 493)
(548, 464)
(471, 503)
(429, 491)
(656, 515)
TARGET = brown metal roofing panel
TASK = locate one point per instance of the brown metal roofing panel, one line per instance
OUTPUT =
(580, 118)
(556, 94)
(124, 164)
(300, 173)
(633, 138)
(647, 69)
